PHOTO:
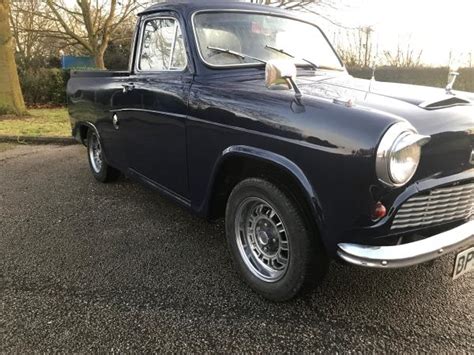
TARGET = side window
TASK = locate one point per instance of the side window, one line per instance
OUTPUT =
(162, 46)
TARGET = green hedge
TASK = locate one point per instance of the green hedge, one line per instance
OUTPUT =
(437, 77)
(44, 86)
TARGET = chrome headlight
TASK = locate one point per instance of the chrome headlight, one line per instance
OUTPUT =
(398, 154)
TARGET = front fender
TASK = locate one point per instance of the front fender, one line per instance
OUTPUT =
(277, 161)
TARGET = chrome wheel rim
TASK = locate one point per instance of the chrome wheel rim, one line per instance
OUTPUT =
(262, 239)
(95, 153)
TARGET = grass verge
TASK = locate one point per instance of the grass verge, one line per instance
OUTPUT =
(42, 122)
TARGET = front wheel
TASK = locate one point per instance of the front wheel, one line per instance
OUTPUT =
(270, 241)
(99, 168)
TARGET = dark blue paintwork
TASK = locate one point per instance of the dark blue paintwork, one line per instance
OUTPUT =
(178, 131)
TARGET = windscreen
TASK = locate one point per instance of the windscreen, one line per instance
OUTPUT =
(252, 34)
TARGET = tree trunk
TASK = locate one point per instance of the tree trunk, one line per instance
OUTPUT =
(99, 58)
(11, 98)
(99, 61)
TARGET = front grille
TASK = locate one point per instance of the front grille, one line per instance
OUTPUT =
(446, 204)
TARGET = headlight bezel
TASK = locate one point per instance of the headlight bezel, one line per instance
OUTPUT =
(385, 149)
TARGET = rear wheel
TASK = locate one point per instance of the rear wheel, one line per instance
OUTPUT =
(100, 169)
(270, 241)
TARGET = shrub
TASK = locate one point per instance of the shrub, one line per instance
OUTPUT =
(44, 86)
(4, 110)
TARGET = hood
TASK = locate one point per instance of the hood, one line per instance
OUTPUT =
(429, 110)
(447, 118)
(422, 96)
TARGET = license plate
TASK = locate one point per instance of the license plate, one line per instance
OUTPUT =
(464, 262)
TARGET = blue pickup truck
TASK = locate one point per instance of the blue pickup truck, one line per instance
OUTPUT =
(246, 112)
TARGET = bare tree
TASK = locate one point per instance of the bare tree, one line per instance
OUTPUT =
(404, 57)
(357, 48)
(11, 98)
(28, 29)
(90, 25)
(304, 5)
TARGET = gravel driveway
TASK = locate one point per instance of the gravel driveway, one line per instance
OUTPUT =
(117, 267)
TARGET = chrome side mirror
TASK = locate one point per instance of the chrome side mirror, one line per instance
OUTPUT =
(281, 75)
(277, 73)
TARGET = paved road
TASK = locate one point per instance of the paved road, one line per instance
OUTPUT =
(87, 266)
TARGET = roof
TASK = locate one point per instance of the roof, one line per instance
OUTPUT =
(192, 6)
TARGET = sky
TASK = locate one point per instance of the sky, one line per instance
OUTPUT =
(437, 27)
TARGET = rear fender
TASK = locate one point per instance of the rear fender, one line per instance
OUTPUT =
(77, 134)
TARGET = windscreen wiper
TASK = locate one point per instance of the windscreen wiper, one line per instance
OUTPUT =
(237, 54)
(282, 51)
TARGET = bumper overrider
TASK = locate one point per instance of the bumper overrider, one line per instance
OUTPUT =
(408, 254)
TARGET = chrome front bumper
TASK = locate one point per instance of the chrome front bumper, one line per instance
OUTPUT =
(408, 254)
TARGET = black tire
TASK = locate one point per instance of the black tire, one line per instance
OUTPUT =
(102, 172)
(307, 262)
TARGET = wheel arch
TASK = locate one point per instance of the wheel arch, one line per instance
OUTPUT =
(81, 129)
(239, 162)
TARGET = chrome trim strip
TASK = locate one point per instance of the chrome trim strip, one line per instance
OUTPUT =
(411, 253)
(451, 190)
(420, 212)
(175, 36)
(164, 113)
(442, 193)
(448, 217)
(407, 212)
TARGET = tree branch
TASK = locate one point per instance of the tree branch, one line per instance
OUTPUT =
(66, 28)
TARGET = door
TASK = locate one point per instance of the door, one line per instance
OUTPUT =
(155, 128)
(113, 139)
